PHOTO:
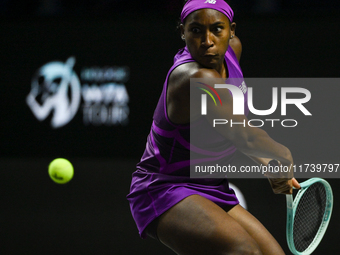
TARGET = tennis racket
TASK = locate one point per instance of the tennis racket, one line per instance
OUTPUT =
(308, 215)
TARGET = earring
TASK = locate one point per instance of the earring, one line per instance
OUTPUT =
(183, 38)
(231, 37)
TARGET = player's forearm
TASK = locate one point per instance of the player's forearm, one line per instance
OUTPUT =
(257, 143)
(260, 160)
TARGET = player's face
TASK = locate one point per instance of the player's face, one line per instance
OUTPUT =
(207, 33)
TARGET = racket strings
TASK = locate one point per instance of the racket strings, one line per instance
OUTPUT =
(309, 216)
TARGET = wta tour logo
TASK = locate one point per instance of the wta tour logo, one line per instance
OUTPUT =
(57, 91)
(239, 96)
(55, 88)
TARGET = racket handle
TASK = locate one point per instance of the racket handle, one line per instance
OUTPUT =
(289, 200)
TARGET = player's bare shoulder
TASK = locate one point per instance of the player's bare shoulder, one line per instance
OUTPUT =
(180, 77)
(178, 92)
(236, 45)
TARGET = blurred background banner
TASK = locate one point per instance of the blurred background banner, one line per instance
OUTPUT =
(81, 79)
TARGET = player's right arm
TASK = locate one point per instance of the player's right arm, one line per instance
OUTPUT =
(252, 141)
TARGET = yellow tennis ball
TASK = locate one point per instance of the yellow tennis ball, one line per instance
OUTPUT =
(60, 170)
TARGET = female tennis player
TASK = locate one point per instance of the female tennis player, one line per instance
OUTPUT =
(201, 216)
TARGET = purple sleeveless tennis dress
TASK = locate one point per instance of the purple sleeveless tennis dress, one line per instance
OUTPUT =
(162, 178)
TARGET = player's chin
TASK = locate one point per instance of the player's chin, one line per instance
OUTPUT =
(208, 63)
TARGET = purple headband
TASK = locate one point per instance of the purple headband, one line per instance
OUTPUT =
(218, 5)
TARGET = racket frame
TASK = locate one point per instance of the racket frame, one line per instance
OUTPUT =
(291, 209)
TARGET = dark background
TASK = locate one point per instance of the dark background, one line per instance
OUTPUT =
(90, 215)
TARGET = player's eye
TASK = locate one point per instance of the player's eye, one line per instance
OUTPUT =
(218, 29)
(195, 30)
